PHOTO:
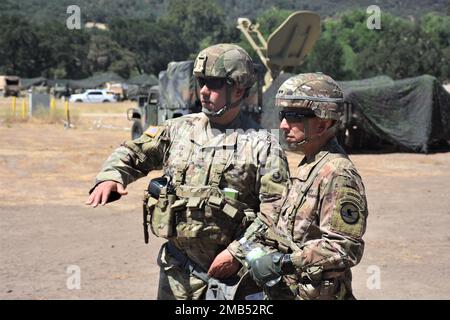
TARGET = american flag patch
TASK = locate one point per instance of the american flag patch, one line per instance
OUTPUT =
(152, 131)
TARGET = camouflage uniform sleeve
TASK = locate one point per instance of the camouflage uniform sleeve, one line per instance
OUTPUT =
(134, 159)
(273, 174)
(342, 215)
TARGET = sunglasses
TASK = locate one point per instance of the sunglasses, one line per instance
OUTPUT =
(211, 83)
(295, 116)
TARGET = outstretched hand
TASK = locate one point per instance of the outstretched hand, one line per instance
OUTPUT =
(102, 191)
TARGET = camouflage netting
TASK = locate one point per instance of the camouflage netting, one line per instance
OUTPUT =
(26, 83)
(95, 81)
(143, 80)
(364, 83)
(88, 83)
(412, 114)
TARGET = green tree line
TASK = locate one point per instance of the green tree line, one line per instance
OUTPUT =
(346, 49)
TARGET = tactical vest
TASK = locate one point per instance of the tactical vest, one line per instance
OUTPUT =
(273, 236)
(194, 211)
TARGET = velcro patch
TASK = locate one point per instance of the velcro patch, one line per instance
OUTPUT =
(153, 131)
(349, 214)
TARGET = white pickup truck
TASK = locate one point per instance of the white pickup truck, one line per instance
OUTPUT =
(93, 96)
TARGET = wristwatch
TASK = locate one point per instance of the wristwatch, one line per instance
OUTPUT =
(287, 267)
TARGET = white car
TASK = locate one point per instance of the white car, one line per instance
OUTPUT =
(93, 96)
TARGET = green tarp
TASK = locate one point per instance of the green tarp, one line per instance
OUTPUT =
(87, 83)
(412, 114)
(26, 83)
(176, 86)
(143, 80)
(95, 81)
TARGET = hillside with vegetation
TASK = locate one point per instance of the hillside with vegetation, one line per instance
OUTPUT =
(106, 10)
(144, 35)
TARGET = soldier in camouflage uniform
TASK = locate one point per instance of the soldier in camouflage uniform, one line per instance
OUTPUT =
(219, 170)
(314, 233)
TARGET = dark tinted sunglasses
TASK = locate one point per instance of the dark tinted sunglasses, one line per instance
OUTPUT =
(295, 115)
(211, 83)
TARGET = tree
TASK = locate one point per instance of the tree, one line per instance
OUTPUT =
(107, 55)
(327, 57)
(436, 29)
(401, 49)
(20, 52)
(66, 50)
(153, 44)
(196, 20)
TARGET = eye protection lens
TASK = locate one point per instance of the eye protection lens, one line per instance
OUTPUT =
(294, 116)
(211, 83)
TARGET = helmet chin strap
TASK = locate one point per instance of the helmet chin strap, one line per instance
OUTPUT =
(221, 111)
(228, 105)
(307, 138)
(296, 145)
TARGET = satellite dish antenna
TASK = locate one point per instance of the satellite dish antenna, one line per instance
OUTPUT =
(287, 46)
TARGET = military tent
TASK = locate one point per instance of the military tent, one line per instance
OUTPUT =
(26, 83)
(95, 81)
(411, 114)
(143, 80)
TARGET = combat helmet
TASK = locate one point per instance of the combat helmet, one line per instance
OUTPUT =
(315, 94)
(227, 61)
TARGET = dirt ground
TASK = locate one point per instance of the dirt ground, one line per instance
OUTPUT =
(46, 231)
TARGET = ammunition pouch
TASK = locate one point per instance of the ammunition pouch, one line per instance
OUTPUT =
(196, 212)
(209, 214)
(160, 207)
(162, 214)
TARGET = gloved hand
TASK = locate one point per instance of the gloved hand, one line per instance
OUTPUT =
(270, 267)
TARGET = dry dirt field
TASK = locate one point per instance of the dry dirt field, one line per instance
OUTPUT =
(46, 231)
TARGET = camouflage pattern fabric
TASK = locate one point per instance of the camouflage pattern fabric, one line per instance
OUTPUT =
(325, 221)
(226, 61)
(307, 90)
(175, 283)
(257, 169)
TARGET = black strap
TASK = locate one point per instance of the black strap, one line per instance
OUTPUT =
(187, 264)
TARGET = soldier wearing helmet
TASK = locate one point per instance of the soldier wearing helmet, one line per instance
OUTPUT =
(314, 233)
(219, 169)
(228, 67)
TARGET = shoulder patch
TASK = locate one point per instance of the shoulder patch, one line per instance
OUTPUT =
(349, 212)
(349, 216)
(153, 131)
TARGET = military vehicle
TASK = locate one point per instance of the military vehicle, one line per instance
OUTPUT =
(146, 112)
(177, 93)
(10, 85)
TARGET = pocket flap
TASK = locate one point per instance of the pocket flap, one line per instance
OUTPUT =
(215, 201)
(179, 204)
(195, 202)
(230, 211)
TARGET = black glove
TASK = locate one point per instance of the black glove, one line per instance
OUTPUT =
(270, 267)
